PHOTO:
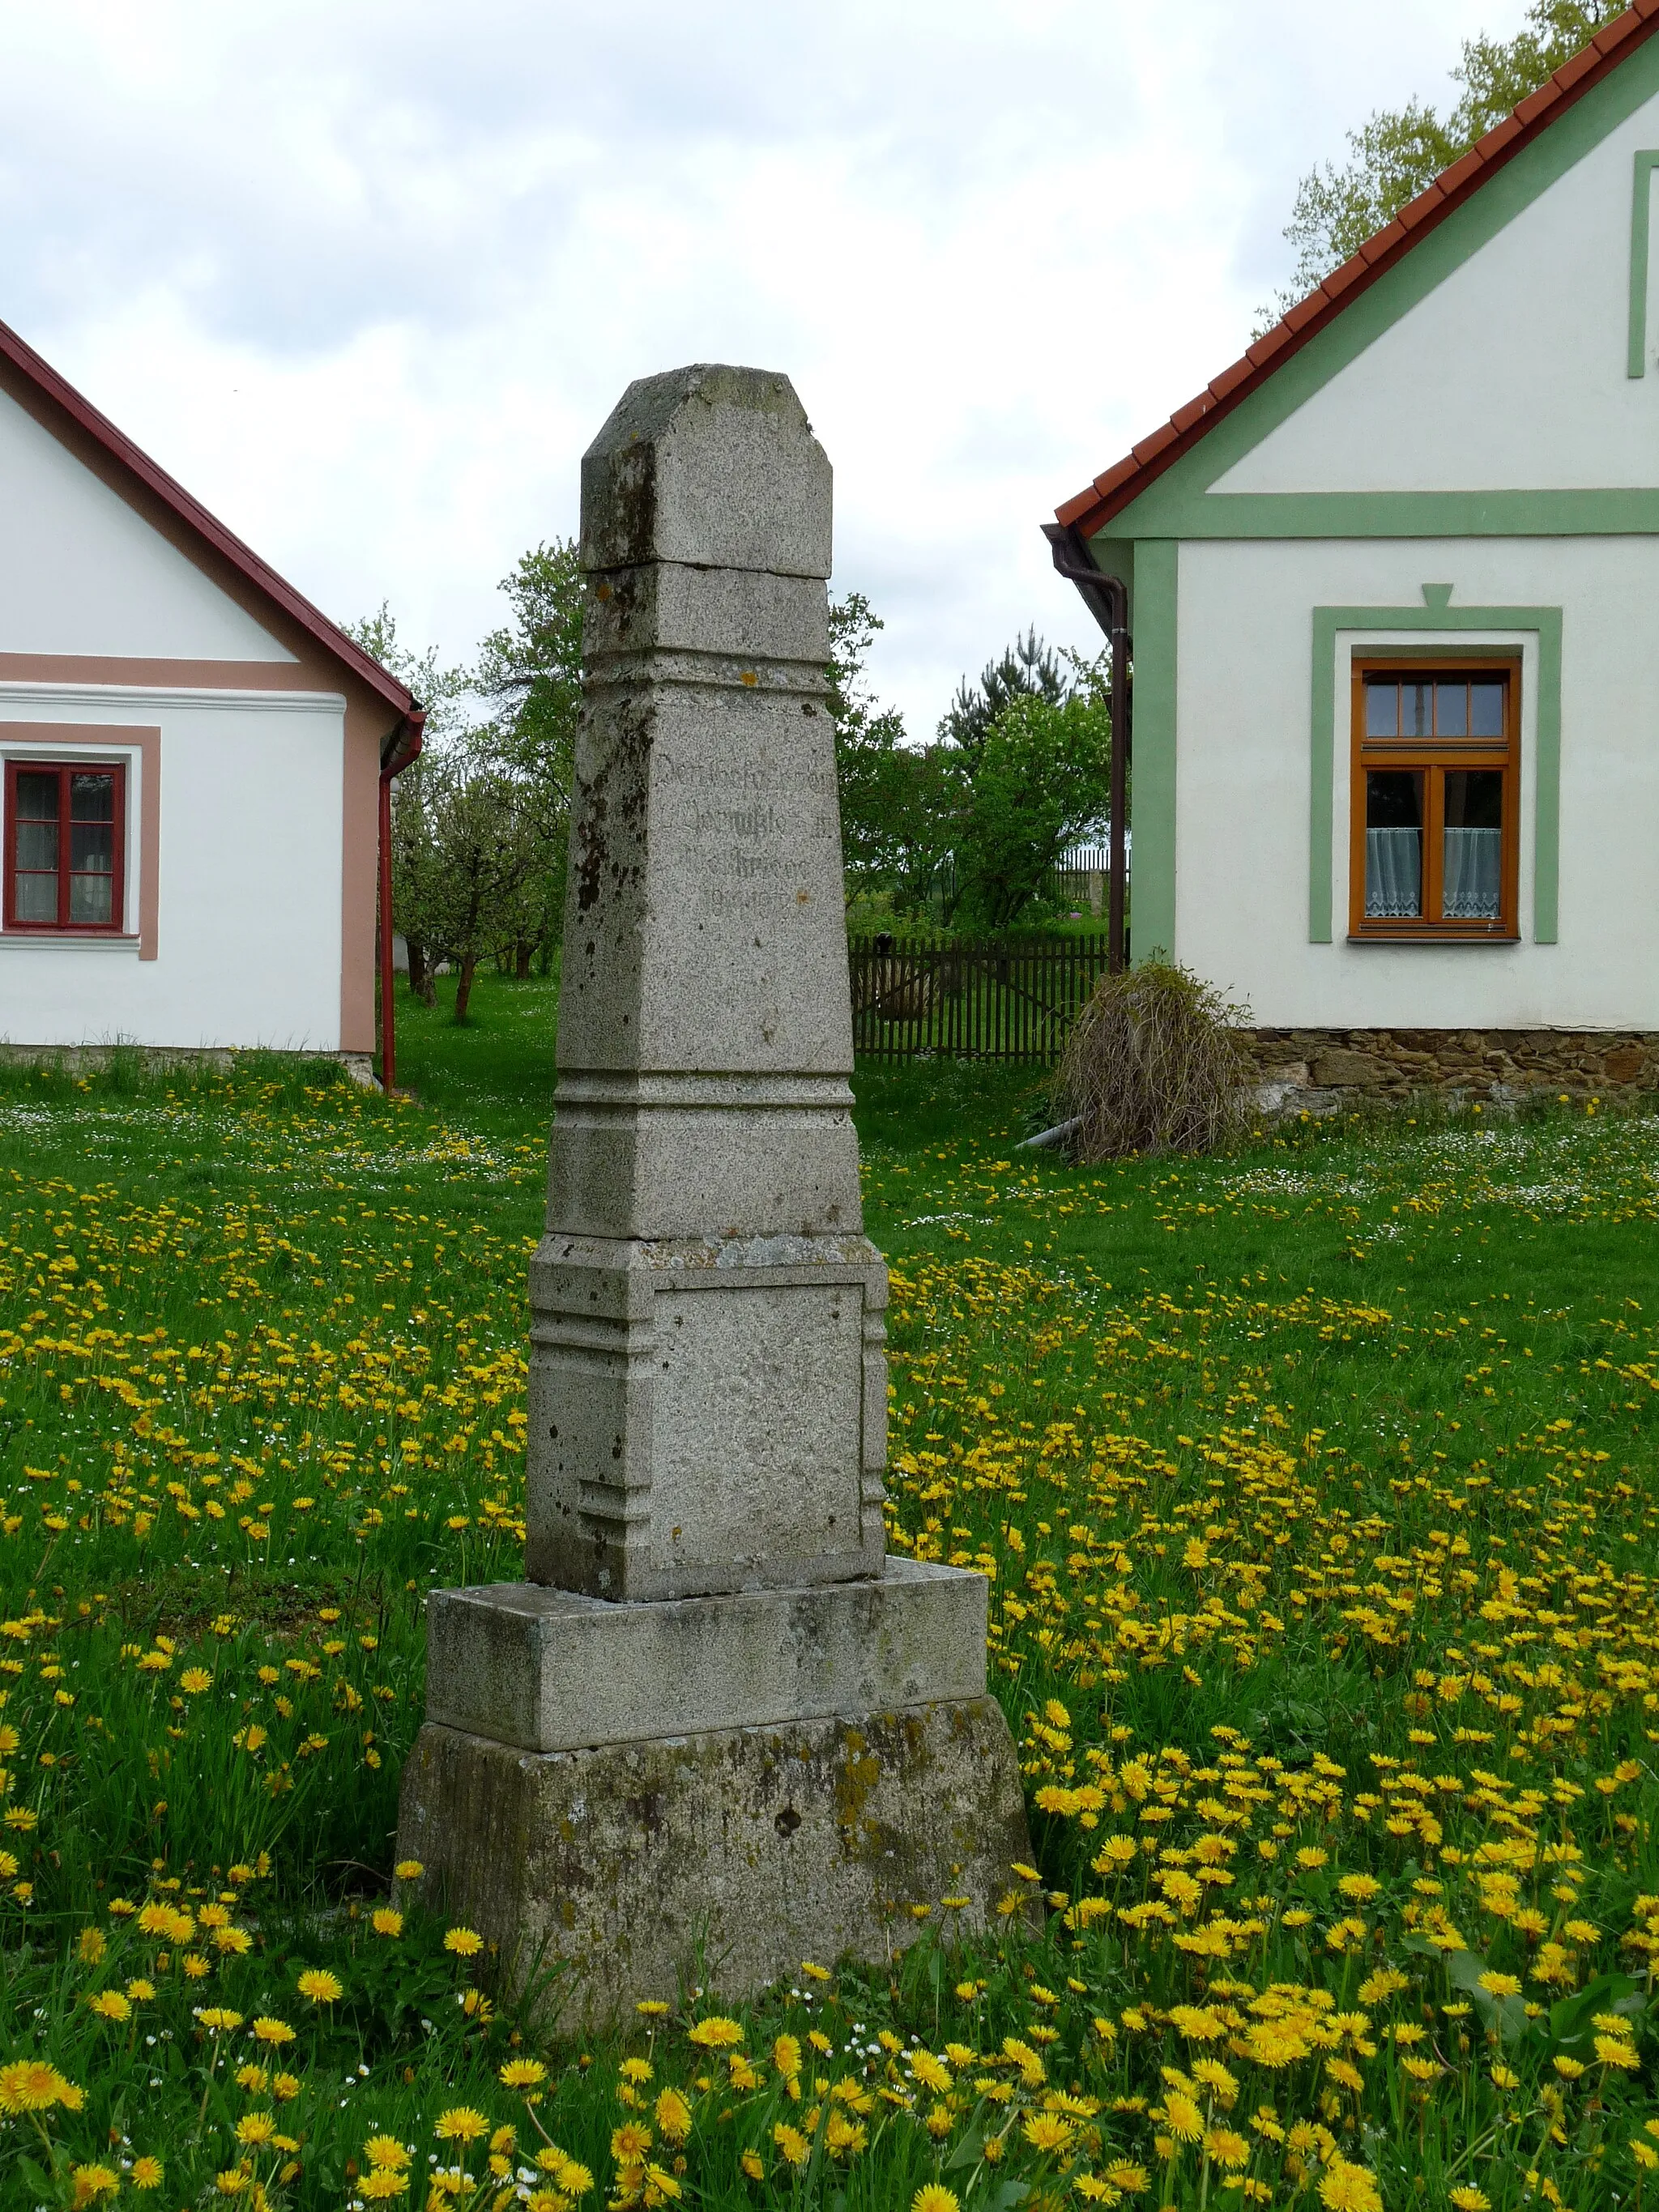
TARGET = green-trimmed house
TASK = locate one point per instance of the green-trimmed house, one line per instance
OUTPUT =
(1394, 583)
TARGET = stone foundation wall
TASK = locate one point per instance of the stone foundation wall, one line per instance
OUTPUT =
(162, 1060)
(1319, 1070)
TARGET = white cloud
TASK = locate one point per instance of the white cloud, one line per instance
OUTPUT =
(367, 279)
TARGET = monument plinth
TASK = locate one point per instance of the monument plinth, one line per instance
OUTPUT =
(714, 1712)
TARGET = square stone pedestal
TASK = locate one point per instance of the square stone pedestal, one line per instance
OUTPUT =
(712, 1788)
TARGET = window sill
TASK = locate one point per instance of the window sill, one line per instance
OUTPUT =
(114, 941)
(1428, 937)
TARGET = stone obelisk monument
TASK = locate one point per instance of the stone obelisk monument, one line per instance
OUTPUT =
(714, 1715)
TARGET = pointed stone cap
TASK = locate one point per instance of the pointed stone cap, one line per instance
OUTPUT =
(712, 466)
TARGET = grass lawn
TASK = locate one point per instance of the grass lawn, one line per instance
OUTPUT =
(1318, 1485)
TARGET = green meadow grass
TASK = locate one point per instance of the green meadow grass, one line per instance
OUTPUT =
(1317, 1486)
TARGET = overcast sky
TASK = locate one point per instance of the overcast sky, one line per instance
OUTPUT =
(367, 277)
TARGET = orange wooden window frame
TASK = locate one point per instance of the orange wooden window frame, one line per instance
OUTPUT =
(1431, 757)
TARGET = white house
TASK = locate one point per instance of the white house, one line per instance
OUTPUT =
(192, 754)
(1393, 581)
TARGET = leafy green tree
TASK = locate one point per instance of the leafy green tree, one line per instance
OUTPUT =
(1036, 778)
(531, 670)
(894, 819)
(469, 863)
(1029, 668)
(1400, 150)
(446, 693)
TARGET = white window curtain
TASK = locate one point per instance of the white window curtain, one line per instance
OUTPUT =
(1473, 871)
(1394, 874)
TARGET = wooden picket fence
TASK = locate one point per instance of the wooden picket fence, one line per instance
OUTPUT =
(1013, 999)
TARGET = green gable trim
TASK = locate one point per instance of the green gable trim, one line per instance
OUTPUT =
(1156, 574)
(1593, 514)
(1640, 207)
(1179, 504)
(1437, 617)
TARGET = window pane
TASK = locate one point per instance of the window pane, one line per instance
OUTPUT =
(1486, 709)
(1451, 710)
(92, 798)
(1416, 710)
(1381, 708)
(37, 845)
(36, 897)
(1393, 844)
(90, 898)
(1472, 884)
(37, 796)
(92, 848)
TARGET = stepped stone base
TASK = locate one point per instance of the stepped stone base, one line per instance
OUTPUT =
(618, 1872)
(758, 1778)
(1322, 1071)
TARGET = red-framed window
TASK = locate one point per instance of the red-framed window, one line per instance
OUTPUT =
(64, 846)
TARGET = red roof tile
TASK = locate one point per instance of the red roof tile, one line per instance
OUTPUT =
(1115, 488)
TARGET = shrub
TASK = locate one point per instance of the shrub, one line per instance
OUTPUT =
(1154, 1064)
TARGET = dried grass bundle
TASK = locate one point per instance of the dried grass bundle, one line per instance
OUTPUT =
(1154, 1064)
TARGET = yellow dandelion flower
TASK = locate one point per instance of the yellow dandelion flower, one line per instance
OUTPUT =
(29, 2085)
(1499, 1985)
(92, 2182)
(1123, 2174)
(465, 1942)
(385, 1921)
(1468, 2198)
(267, 2030)
(256, 2127)
(934, 2196)
(794, 2146)
(381, 2182)
(409, 1870)
(385, 2150)
(461, 2123)
(715, 2033)
(1346, 2188)
(1045, 2131)
(147, 2173)
(673, 2116)
(629, 2142)
(1614, 2050)
(523, 2073)
(1182, 2116)
(320, 1986)
(110, 2004)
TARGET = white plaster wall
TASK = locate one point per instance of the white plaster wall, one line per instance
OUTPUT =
(82, 573)
(1511, 374)
(1242, 750)
(248, 944)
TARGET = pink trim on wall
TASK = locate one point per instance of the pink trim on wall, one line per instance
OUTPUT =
(167, 675)
(359, 855)
(366, 729)
(116, 737)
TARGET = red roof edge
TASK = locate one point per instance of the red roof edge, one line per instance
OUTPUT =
(134, 461)
(1117, 487)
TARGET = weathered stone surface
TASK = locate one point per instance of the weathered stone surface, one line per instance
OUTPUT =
(1337, 1070)
(551, 1670)
(711, 1722)
(1501, 1065)
(707, 1394)
(761, 1846)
